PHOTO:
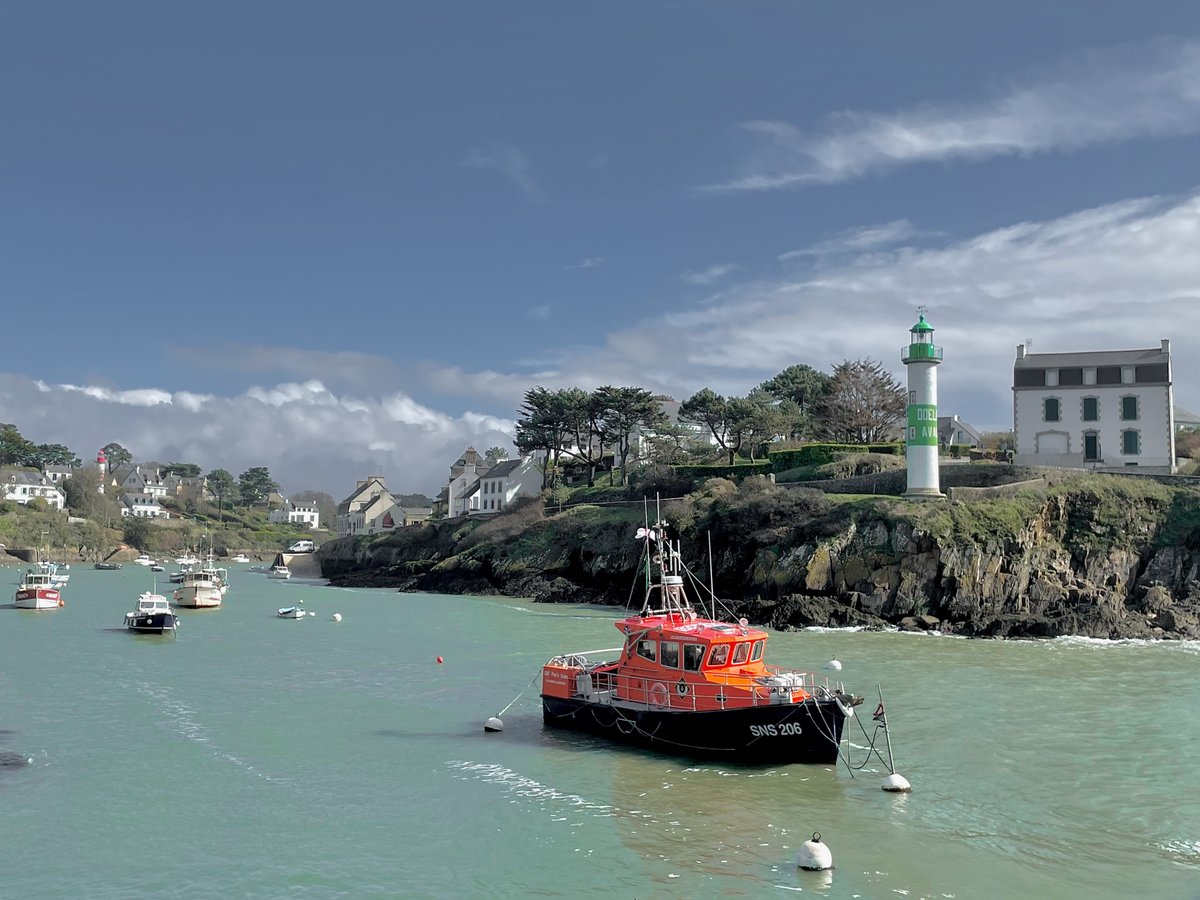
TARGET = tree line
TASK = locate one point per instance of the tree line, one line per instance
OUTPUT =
(858, 402)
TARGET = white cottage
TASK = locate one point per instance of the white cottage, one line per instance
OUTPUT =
(507, 482)
(22, 485)
(303, 514)
(1107, 409)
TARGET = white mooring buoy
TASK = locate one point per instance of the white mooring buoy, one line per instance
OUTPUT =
(337, 617)
(493, 724)
(896, 784)
(833, 665)
(814, 856)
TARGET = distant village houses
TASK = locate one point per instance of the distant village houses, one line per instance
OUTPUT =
(372, 509)
(477, 487)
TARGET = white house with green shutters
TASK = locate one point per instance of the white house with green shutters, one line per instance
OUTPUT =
(1106, 409)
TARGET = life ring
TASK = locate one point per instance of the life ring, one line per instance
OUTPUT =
(659, 695)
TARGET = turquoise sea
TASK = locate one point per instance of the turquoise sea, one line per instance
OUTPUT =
(252, 756)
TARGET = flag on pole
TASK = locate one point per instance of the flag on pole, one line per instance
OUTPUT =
(878, 712)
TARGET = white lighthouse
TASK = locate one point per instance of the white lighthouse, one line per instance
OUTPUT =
(922, 356)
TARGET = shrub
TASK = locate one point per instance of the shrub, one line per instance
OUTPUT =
(820, 454)
(736, 471)
(660, 481)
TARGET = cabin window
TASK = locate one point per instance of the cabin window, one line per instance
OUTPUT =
(647, 649)
(756, 654)
(719, 655)
(693, 656)
(741, 654)
(670, 654)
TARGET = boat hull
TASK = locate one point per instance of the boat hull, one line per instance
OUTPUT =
(197, 597)
(152, 623)
(808, 732)
(38, 598)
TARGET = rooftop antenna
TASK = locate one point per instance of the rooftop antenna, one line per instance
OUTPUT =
(922, 309)
(1028, 344)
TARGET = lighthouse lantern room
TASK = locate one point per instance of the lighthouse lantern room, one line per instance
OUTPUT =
(921, 357)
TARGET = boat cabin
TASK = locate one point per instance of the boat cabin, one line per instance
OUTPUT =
(34, 579)
(152, 603)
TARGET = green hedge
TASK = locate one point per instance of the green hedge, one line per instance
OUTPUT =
(820, 454)
(737, 471)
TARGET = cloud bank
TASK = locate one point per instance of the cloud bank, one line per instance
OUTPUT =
(308, 436)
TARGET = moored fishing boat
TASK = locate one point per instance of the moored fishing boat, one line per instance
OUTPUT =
(152, 616)
(199, 590)
(280, 573)
(687, 684)
(37, 591)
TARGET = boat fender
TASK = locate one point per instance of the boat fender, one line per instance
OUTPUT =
(61, 602)
(814, 856)
(659, 695)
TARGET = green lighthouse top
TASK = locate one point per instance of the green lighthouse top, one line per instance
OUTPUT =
(922, 348)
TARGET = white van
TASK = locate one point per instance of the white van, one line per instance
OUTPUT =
(302, 547)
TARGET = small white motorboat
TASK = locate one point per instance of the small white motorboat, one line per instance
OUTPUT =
(281, 572)
(144, 560)
(292, 612)
(153, 615)
(241, 558)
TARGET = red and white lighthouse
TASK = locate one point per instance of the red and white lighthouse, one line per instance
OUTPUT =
(102, 466)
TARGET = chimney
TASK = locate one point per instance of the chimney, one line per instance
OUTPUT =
(1020, 351)
(1166, 345)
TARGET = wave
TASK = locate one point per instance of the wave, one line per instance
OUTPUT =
(1190, 647)
(182, 720)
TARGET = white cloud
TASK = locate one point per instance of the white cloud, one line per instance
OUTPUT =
(308, 436)
(510, 162)
(1140, 90)
(588, 262)
(708, 276)
(868, 237)
(541, 311)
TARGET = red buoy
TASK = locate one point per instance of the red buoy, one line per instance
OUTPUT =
(439, 660)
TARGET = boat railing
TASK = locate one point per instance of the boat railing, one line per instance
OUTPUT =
(601, 683)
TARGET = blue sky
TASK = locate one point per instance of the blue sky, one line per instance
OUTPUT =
(336, 238)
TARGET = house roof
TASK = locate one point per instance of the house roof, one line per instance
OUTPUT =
(503, 468)
(344, 506)
(1185, 417)
(25, 476)
(1092, 358)
(946, 425)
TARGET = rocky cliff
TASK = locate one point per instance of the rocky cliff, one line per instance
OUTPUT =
(1103, 556)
